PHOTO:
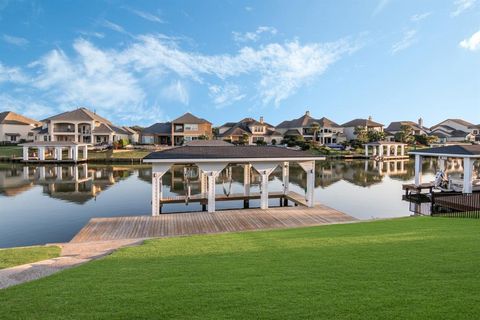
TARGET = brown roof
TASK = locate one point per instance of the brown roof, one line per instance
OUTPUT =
(190, 119)
(158, 128)
(9, 117)
(80, 114)
(307, 121)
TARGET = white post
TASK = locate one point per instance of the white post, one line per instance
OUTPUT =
(374, 150)
(158, 170)
(246, 179)
(26, 172)
(70, 152)
(286, 177)
(395, 151)
(25, 153)
(467, 175)
(59, 173)
(85, 152)
(41, 173)
(75, 153)
(380, 151)
(309, 167)
(402, 150)
(212, 170)
(388, 151)
(265, 169)
(75, 173)
(203, 183)
(418, 169)
(366, 151)
(58, 153)
(41, 153)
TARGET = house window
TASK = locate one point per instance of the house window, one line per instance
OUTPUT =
(258, 129)
(475, 132)
(45, 138)
(178, 128)
(191, 127)
(13, 138)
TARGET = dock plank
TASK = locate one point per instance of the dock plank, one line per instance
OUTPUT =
(190, 223)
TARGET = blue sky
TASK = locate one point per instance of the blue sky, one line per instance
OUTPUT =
(139, 62)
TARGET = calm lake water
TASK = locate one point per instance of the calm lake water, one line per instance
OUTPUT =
(45, 204)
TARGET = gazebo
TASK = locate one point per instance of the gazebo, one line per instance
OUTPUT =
(386, 149)
(469, 154)
(211, 160)
(57, 147)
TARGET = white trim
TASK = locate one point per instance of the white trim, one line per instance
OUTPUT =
(427, 154)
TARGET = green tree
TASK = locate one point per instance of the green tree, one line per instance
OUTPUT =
(315, 127)
(362, 134)
(374, 135)
(405, 134)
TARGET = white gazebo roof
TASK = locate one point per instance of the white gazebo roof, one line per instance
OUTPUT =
(54, 144)
(454, 151)
(385, 143)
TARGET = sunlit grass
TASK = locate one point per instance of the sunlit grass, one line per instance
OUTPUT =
(18, 256)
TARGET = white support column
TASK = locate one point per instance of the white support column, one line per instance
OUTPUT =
(158, 171)
(25, 153)
(85, 152)
(75, 173)
(374, 150)
(286, 177)
(388, 150)
(70, 152)
(58, 153)
(265, 169)
(212, 170)
(402, 150)
(467, 175)
(418, 169)
(26, 173)
(309, 167)
(75, 153)
(395, 151)
(41, 173)
(380, 151)
(366, 150)
(441, 163)
(246, 179)
(59, 173)
(41, 153)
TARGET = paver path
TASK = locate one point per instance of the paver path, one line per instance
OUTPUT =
(73, 254)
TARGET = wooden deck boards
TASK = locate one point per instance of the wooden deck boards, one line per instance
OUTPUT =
(183, 224)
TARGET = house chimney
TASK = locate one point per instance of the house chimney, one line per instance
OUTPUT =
(307, 113)
(369, 118)
(261, 119)
(420, 122)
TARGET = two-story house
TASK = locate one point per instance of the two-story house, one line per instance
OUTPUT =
(417, 128)
(323, 130)
(15, 128)
(183, 129)
(453, 130)
(367, 124)
(80, 125)
(249, 131)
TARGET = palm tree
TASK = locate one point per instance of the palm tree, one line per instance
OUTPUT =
(315, 126)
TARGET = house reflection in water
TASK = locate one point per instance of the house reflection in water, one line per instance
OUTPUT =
(72, 183)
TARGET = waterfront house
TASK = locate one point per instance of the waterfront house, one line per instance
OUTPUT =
(323, 130)
(16, 128)
(367, 124)
(249, 131)
(81, 126)
(475, 132)
(417, 128)
(453, 130)
(183, 129)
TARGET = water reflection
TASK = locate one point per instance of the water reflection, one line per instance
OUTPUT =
(40, 204)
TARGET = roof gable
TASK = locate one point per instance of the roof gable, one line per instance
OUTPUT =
(362, 123)
(80, 114)
(9, 117)
(190, 119)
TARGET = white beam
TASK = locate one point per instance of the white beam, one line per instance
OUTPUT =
(212, 170)
(41, 153)
(467, 175)
(158, 170)
(58, 153)
(264, 169)
(418, 169)
(309, 167)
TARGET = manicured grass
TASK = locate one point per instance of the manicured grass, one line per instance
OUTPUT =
(127, 155)
(18, 256)
(412, 268)
(10, 151)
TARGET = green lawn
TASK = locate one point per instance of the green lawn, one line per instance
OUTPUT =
(18, 256)
(9, 151)
(412, 268)
(127, 155)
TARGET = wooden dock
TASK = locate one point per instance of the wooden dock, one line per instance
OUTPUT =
(183, 224)
(410, 188)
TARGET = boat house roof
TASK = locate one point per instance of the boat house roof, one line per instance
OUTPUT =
(188, 154)
(460, 151)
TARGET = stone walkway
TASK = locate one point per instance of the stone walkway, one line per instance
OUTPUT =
(73, 254)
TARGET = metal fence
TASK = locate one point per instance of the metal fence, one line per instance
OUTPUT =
(458, 205)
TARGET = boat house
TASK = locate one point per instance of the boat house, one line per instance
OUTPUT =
(212, 160)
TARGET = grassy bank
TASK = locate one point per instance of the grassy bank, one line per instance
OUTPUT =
(10, 151)
(117, 156)
(18, 256)
(416, 268)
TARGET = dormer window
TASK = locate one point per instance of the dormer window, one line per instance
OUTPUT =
(258, 129)
(191, 127)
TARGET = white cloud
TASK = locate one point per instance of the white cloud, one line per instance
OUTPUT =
(25, 106)
(462, 6)
(472, 43)
(420, 16)
(176, 91)
(225, 95)
(409, 38)
(14, 75)
(17, 41)
(253, 36)
(380, 6)
(113, 26)
(248, 8)
(147, 15)
(97, 35)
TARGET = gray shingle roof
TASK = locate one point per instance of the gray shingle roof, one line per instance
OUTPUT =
(207, 143)
(469, 150)
(159, 128)
(190, 119)
(80, 114)
(307, 121)
(227, 152)
(362, 123)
